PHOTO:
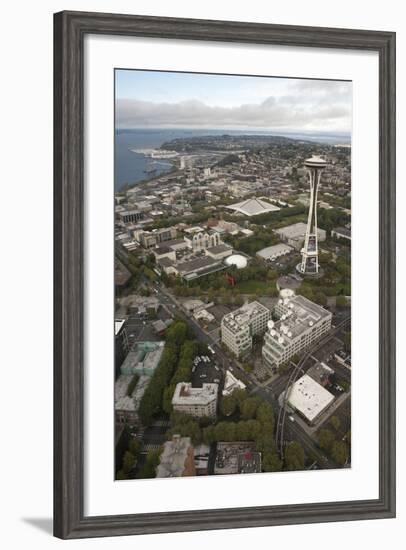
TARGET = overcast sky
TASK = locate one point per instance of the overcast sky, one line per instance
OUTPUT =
(148, 99)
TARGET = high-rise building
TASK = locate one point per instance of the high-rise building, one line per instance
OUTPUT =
(239, 326)
(310, 252)
(300, 323)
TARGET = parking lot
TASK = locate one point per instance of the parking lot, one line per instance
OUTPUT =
(139, 327)
(205, 371)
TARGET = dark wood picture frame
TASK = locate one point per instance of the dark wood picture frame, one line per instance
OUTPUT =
(69, 31)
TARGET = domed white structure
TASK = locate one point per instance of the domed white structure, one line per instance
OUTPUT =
(238, 260)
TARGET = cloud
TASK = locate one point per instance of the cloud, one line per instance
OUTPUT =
(306, 106)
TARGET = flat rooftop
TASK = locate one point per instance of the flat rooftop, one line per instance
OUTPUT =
(176, 243)
(309, 398)
(218, 249)
(163, 249)
(185, 394)
(124, 402)
(296, 231)
(301, 314)
(238, 319)
(196, 264)
(236, 457)
(166, 262)
(173, 458)
(275, 250)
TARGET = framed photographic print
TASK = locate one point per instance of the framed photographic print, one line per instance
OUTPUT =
(224, 275)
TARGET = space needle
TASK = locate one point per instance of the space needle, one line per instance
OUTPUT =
(310, 264)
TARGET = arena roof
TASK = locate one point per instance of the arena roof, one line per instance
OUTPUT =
(253, 207)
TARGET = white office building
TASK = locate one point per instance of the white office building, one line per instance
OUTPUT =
(300, 323)
(196, 402)
(238, 327)
(309, 398)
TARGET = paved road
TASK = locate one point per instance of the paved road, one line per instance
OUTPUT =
(154, 436)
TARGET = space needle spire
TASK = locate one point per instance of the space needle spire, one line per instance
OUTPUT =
(310, 264)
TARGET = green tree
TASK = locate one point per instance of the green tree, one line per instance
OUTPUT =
(151, 401)
(339, 452)
(167, 398)
(265, 441)
(320, 298)
(326, 439)
(345, 385)
(335, 422)
(253, 428)
(149, 469)
(183, 372)
(294, 456)
(265, 413)
(209, 435)
(239, 395)
(134, 446)
(248, 367)
(186, 428)
(248, 407)
(121, 475)
(128, 462)
(177, 333)
(271, 462)
(225, 431)
(228, 405)
(238, 300)
(341, 301)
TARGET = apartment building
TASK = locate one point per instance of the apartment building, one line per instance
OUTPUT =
(196, 402)
(238, 327)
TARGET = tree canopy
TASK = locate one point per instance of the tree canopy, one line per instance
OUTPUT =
(294, 456)
(326, 439)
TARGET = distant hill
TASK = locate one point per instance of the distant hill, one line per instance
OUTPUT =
(229, 142)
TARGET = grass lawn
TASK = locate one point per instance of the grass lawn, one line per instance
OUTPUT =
(255, 287)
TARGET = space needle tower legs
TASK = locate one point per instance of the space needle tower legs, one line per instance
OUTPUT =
(310, 262)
